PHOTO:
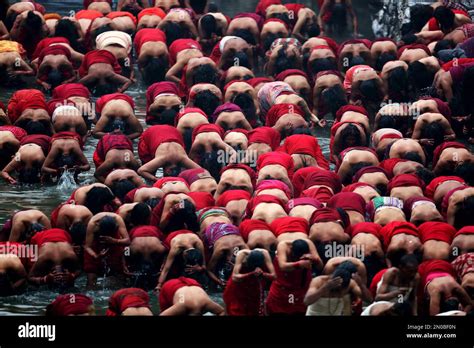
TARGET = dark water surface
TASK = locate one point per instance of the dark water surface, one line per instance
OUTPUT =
(46, 198)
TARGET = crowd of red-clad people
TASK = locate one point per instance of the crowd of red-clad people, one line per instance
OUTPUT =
(226, 188)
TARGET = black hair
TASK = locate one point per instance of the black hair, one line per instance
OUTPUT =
(383, 59)
(173, 32)
(36, 127)
(322, 64)
(10, 19)
(387, 121)
(396, 256)
(334, 97)
(284, 62)
(373, 265)
(193, 257)
(409, 39)
(445, 17)
(413, 156)
(122, 187)
(33, 23)
(408, 260)
(78, 233)
(425, 174)
(344, 274)
(255, 259)
(55, 78)
(210, 162)
(419, 16)
(351, 130)
(102, 29)
(284, 16)
(463, 216)
(420, 76)
(103, 89)
(242, 59)
(246, 35)
(107, 226)
(467, 90)
(166, 116)
(451, 304)
(67, 29)
(435, 131)
(360, 165)
(370, 90)
(134, 10)
(402, 309)
(173, 171)
(444, 45)
(140, 214)
(208, 25)
(312, 30)
(154, 70)
(398, 85)
(207, 102)
(299, 247)
(97, 198)
(205, 73)
(29, 175)
(267, 42)
(465, 171)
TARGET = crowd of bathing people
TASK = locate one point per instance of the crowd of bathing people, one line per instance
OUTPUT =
(227, 189)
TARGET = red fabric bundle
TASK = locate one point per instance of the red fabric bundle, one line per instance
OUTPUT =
(365, 42)
(264, 4)
(329, 215)
(366, 227)
(202, 200)
(433, 185)
(102, 101)
(291, 72)
(145, 35)
(307, 145)
(348, 201)
(169, 289)
(193, 175)
(289, 224)
(98, 56)
(88, 14)
(279, 110)
(325, 178)
(276, 158)
(169, 238)
(232, 195)
(161, 182)
(25, 99)
(353, 187)
(69, 304)
(405, 180)
(208, 128)
(304, 201)
(189, 110)
(153, 137)
(53, 235)
(109, 142)
(68, 135)
(265, 135)
(127, 298)
(299, 178)
(443, 107)
(69, 90)
(151, 11)
(440, 148)
(145, 231)
(397, 227)
(258, 80)
(353, 108)
(433, 266)
(434, 230)
(248, 226)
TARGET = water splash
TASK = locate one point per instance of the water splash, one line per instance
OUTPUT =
(66, 183)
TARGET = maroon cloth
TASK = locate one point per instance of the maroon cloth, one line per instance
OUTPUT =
(169, 289)
(248, 226)
(110, 142)
(155, 90)
(304, 201)
(366, 227)
(443, 107)
(273, 184)
(348, 201)
(180, 45)
(226, 107)
(258, 80)
(299, 178)
(232, 195)
(365, 42)
(153, 137)
(98, 56)
(307, 145)
(389, 164)
(69, 304)
(18, 133)
(127, 298)
(465, 230)
(355, 186)
(53, 235)
(408, 205)
(413, 47)
(47, 42)
(255, 201)
(325, 178)
(291, 72)
(68, 90)
(265, 135)
(39, 139)
(54, 50)
(202, 200)
(289, 224)
(276, 158)
(161, 182)
(368, 170)
(263, 5)
(145, 231)
(245, 167)
(145, 35)
(25, 99)
(102, 101)
(193, 175)
(430, 190)
(434, 230)
(397, 227)
(405, 180)
(440, 148)
(353, 108)
(207, 128)
(330, 215)
(279, 110)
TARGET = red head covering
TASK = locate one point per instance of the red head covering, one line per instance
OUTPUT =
(413, 47)
(69, 304)
(69, 90)
(25, 99)
(440, 148)
(265, 135)
(248, 226)
(245, 167)
(160, 183)
(289, 224)
(299, 178)
(279, 110)
(433, 230)
(368, 170)
(273, 184)
(325, 178)
(102, 101)
(431, 188)
(465, 230)
(291, 72)
(389, 164)
(307, 145)
(405, 180)
(366, 227)
(202, 199)
(127, 298)
(193, 175)
(232, 195)
(348, 201)
(397, 227)
(354, 108)
(276, 158)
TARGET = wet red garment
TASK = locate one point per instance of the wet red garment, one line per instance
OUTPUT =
(424, 270)
(244, 298)
(265, 135)
(25, 99)
(434, 230)
(366, 227)
(118, 14)
(46, 43)
(445, 202)
(53, 235)
(273, 184)
(68, 135)
(329, 215)
(375, 281)
(264, 4)
(151, 11)
(169, 238)
(289, 224)
(255, 201)
(344, 152)
(465, 230)
(202, 200)
(307, 145)
(112, 260)
(413, 47)
(127, 298)
(180, 45)
(443, 107)
(353, 187)
(69, 304)
(188, 110)
(55, 51)
(145, 35)
(324, 178)
(88, 14)
(70, 90)
(440, 148)
(280, 110)
(408, 205)
(195, 174)
(389, 164)
(248, 226)
(155, 90)
(299, 178)
(102, 101)
(96, 57)
(232, 195)
(153, 137)
(288, 285)
(208, 128)
(397, 227)
(350, 108)
(169, 289)
(348, 201)
(405, 180)
(430, 190)
(368, 170)
(276, 158)
(145, 231)
(110, 142)
(245, 167)
(18, 133)
(39, 139)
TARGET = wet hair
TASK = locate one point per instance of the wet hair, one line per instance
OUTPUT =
(444, 45)
(413, 156)
(463, 216)
(154, 70)
(107, 226)
(373, 264)
(103, 89)
(207, 102)
(267, 42)
(173, 171)
(97, 198)
(102, 29)
(387, 121)
(184, 218)
(55, 78)
(409, 39)
(419, 16)
(344, 274)
(284, 16)
(334, 97)
(255, 259)
(467, 90)
(67, 29)
(465, 171)
(65, 161)
(358, 166)
(166, 117)
(370, 90)
(383, 59)
(208, 25)
(140, 214)
(299, 248)
(29, 175)
(193, 257)
(402, 309)
(210, 162)
(246, 35)
(425, 174)
(312, 30)
(134, 10)
(36, 127)
(398, 85)
(445, 17)
(339, 16)
(349, 266)
(350, 131)
(36, 227)
(242, 59)
(173, 32)
(10, 19)
(409, 261)
(322, 64)
(33, 23)
(205, 73)
(451, 304)
(435, 131)
(420, 76)
(122, 187)
(78, 233)
(284, 62)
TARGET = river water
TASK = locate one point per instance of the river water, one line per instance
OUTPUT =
(46, 198)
